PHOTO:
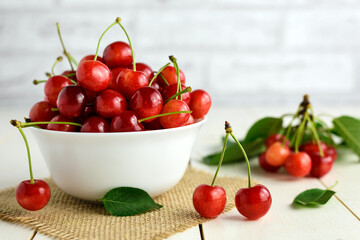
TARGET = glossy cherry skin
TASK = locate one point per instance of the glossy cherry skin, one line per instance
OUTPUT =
(117, 54)
(265, 165)
(332, 152)
(276, 138)
(33, 196)
(41, 111)
(209, 201)
(254, 202)
(95, 124)
(114, 74)
(54, 85)
(126, 121)
(145, 69)
(146, 102)
(298, 164)
(72, 101)
(277, 154)
(93, 76)
(174, 120)
(155, 85)
(311, 148)
(200, 103)
(169, 74)
(91, 57)
(321, 165)
(190, 120)
(170, 90)
(128, 82)
(61, 127)
(110, 103)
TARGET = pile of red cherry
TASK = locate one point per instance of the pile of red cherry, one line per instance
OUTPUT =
(112, 93)
(309, 160)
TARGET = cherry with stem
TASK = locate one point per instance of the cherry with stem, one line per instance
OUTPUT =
(31, 194)
(255, 201)
(157, 73)
(210, 200)
(118, 20)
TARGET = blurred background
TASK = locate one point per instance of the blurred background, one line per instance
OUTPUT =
(243, 52)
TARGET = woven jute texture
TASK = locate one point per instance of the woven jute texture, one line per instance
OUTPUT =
(66, 217)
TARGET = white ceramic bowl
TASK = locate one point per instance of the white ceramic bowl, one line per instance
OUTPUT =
(87, 165)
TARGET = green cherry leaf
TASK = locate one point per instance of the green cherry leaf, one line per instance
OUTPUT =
(348, 128)
(128, 201)
(314, 196)
(263, 128)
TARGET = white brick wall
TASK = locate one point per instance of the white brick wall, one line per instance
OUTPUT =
(242, 51)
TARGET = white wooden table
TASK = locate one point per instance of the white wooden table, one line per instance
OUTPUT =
(338, 219)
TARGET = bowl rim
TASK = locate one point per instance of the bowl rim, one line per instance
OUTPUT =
(158, 131)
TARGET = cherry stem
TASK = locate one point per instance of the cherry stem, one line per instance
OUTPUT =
(289, 126)
(48, 74)
(187, 89)
(164, 79)
(54, 109)
(332, 186)
(316, 135)
(328, 131)
(70, 75)
(300, 131)
(59, 59)
(102, 35)
(229, 130)
(63, 46)
(36, 82)
(221, 159)
(158, 72)
(118, 20)
(162, 114)
(31, 124)
(176, 66)
(28, 152)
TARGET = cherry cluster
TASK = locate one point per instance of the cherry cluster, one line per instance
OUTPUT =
(113, 93)
(252, 202)
(314, 158)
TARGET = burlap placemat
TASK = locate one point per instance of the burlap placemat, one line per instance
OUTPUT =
(66, 217)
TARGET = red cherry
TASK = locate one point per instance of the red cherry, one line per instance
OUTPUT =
(110, 103)
(311, 148)
(145, 69)
(321, 165)
(276, 138)
(170, 91)
(209, 201)
(114, 74)
(91, 57)
(41, 112)
(95, 124)
(265, 165)
(277, 154)
(54, 85)
(72, 101)
(174, 120)
(126, 121)
(298, 164)
(155, 85)
(200, 103)
(129, 81)
(169, 74)
(33, 196)
(253, 202)
(146, 102)
(61, 127)
(92, 75)
(117, 54)
(332, 152)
